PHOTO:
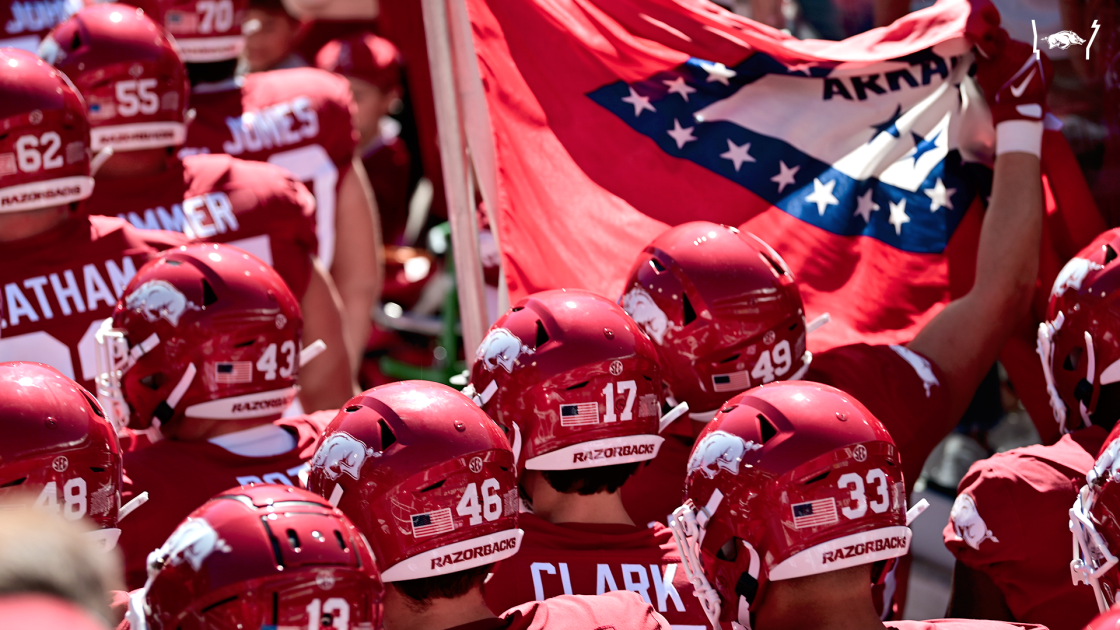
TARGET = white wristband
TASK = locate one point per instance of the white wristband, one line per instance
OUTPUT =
(1024, 136)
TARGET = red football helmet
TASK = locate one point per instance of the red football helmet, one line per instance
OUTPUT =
(129, 72)
(205, 331)
(425, 475)
(262, 556)
(576, 380)
(206, 30)
(1080, 345)
(44, 136)
(1096, 530)
(788, 480)
(58, 446)
(722, 308)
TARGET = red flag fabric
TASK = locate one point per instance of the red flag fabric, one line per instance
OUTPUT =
(859, 161)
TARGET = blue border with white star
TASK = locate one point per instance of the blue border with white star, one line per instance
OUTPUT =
(663, 107)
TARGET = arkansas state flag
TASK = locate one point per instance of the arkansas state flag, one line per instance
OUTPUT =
(861, 162)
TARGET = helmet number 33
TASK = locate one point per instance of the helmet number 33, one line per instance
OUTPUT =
(876, 478)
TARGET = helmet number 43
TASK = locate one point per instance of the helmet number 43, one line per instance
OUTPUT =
(491, 506)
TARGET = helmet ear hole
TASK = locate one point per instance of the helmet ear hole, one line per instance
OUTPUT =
(387, 437)
(766, 428)
(1109, 254)
(1072, 359)
(208, 295)
(657, 266)
(689, 312)
(729, 551)
(542, 334)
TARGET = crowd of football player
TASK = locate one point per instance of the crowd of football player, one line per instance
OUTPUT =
(670, 456)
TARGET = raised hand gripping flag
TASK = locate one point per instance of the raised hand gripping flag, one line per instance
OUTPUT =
(861, 161)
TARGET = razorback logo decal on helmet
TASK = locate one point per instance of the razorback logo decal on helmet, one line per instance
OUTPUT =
(640, 306)
(159, 299)
(967, 523)
(717, 450)
(1073, 274)
(193, 542)
(342, 453)
(501, 348)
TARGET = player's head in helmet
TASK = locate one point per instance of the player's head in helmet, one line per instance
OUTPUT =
(793, 490)
(1079, 345)
(723, 310)
(266, 556)
(271, 34)
(131, 76)
(428, 477)
(209, 35)
(372, 65)
(58, 451)
(576, 384)
(44, 150)
(204, 341)
(1096, 528)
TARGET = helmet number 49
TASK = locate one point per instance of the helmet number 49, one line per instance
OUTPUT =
(74, 502)
(491, 506)
(335, 610)
(855, 482)
(766, 370)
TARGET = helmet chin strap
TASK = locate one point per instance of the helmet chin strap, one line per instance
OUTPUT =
(1045, 350)
(99, 160)
(165, 410)
(689, 526)
(667, 419)
(1090, 375)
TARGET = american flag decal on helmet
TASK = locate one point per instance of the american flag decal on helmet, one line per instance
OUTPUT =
(432, 523)
(579, 414)
(233, 372)
(814, 513)
(733, 382)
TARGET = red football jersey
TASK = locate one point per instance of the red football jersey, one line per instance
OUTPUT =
(300, 119)
(1011, 522)
(23, 23)
(900, 387)
(592, 559)
(219, 199)
(616, 610)
(180, 476)
(60, 285)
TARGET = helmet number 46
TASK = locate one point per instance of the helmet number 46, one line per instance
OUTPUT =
(491, 506)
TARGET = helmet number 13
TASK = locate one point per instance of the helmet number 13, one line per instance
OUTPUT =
(875, 477)
(333, 613)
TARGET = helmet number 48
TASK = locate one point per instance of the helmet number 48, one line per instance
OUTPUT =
(490, 508)
(74, 498)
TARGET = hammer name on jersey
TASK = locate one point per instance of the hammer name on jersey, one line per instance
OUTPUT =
(200, 217)
(280, 125)
(35, 16)
(610, 453)
(635, 578)
(851, 551)
(69, 295)
(480, 551)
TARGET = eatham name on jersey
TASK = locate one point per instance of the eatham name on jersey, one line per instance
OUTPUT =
(198, 217)
(609, 453)
(852, 551)
(63, 192)
(67, 291)
(474, 552)
(271, 127)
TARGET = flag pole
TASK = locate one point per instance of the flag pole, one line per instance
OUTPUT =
(456, 176)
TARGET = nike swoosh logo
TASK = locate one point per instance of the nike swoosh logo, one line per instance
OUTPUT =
(1022, 87)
